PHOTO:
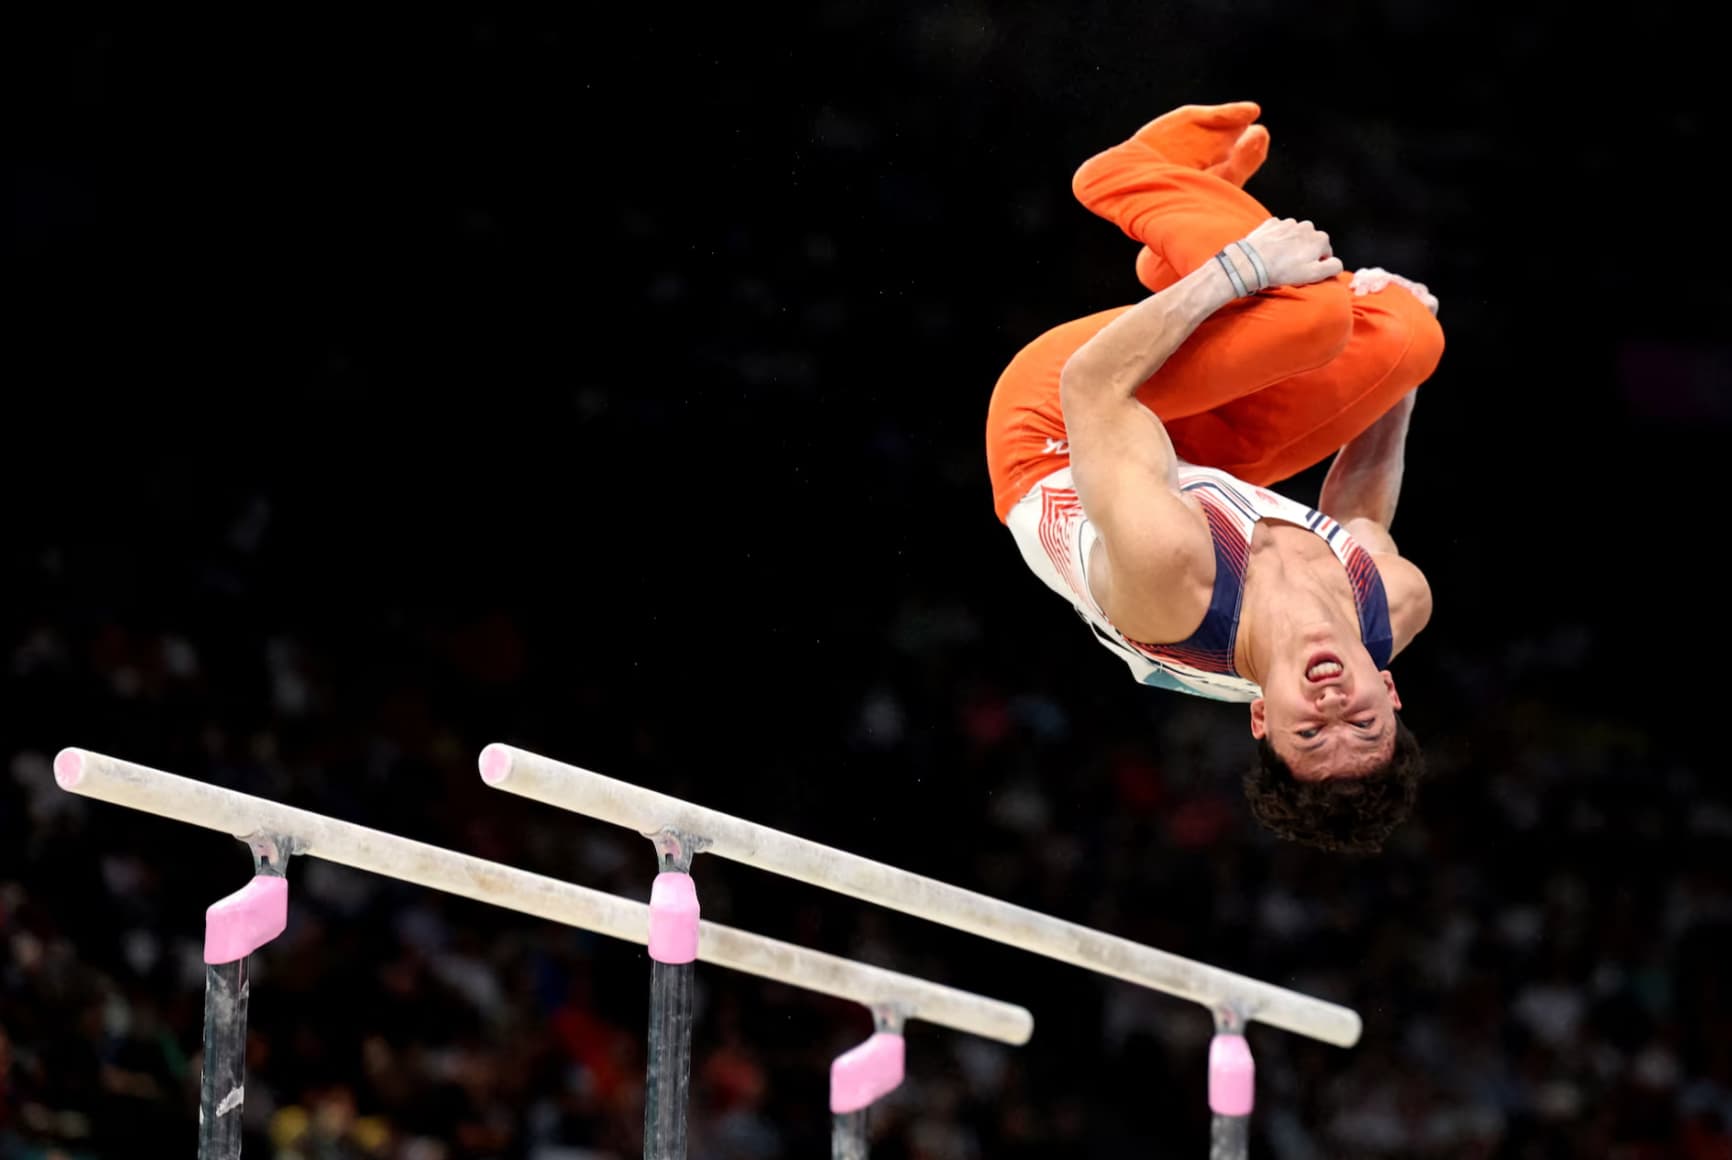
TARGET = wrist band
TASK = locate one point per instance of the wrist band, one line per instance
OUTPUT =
(1239, 287)
(1256, 260)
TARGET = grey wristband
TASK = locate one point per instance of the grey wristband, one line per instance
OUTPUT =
(1256, 260)
(1233, 276)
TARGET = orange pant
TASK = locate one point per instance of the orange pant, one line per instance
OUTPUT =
(1265, 388)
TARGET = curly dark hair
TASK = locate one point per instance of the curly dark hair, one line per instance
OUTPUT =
(1345, 815)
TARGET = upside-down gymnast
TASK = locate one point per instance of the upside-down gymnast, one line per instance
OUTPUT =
(1131, 453)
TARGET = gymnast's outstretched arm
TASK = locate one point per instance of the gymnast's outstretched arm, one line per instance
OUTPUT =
(1364, 483)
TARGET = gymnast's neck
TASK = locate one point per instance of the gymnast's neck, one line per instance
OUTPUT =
(1296, 592)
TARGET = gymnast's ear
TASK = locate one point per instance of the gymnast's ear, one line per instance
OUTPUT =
(1389, 683)
(1260, 723)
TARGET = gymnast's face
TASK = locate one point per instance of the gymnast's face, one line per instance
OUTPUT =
(1328, 712)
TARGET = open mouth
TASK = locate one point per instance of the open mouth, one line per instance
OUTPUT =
(1323, 667)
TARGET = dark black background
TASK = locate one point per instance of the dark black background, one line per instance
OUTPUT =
(614, 382)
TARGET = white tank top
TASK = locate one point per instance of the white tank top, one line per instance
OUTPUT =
(1056, 539)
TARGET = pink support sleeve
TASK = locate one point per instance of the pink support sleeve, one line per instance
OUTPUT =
(246, 920)
(673, 925)
(1232, 1076)
(863, 1075)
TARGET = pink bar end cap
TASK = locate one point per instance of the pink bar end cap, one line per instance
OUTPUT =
(246, 920)
(1232, 1076)
(69, 768)
(495, 764)
(673, 925)
(863, 1075)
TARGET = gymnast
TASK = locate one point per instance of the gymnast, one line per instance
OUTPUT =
(1131, 454)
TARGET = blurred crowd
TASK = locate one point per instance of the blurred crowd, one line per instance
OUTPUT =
(1540, 958)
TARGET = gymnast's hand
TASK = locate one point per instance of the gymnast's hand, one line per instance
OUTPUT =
(1289, 253)
(1375, 278)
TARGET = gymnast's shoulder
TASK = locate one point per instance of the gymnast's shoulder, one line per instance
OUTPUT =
(1404, 585)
